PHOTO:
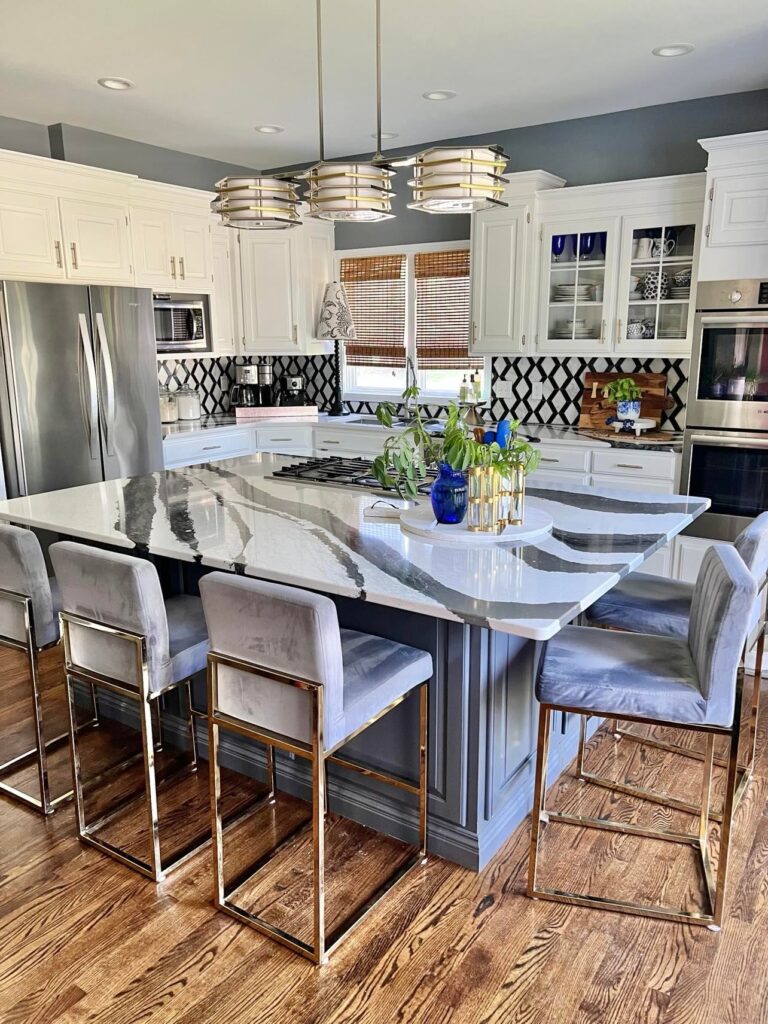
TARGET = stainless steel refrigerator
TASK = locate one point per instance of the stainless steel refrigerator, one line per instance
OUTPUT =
(79, 399)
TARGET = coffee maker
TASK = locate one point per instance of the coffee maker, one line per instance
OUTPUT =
(253, 389)
(292, 391)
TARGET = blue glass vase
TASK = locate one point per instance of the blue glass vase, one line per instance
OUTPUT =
(449, 495)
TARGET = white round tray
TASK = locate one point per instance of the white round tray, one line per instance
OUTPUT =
(421, 522)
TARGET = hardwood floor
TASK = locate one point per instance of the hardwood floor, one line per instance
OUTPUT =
(84, 939)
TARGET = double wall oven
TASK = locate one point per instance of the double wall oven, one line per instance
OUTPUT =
(725, 451)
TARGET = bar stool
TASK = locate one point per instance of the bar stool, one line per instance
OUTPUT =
(122, 636)
(693, 684)
(281, 672)
(642, 603)
(29, 623)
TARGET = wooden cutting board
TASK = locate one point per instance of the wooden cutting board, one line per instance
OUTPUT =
(595, 409)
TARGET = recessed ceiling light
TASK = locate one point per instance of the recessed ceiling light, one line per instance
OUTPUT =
(385, 135)
(439, 94)
(672, 50)
(118, 84)
(269, 129)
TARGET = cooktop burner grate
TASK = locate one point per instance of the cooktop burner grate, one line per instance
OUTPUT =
(338, 471)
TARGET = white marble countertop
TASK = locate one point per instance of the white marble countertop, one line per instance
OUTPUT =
(225, 421)
(231, 515)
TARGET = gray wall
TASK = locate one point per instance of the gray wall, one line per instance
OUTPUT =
(24, 136)
(642, 143)
(97, 149)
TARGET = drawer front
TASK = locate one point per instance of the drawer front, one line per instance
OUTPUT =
(574, 459)
(283, 439)
(208, 446)
(628, 463)
(634, 483)
(349, 442)
(551, 476)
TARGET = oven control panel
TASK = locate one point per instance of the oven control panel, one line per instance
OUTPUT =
(713, 296)
(762, 293)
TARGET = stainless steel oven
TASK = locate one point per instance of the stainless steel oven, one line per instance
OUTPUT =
(181, 323)
(725, 450)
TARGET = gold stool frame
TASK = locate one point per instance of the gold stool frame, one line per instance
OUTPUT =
(321, 947)
(715, 890)
(146, 700)
(45, 803)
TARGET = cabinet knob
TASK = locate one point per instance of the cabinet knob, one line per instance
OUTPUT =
(735, 296)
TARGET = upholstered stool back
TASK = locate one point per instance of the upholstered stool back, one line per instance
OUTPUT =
(22, 570)
(723, 598)
(277, 628)
(120, 591)
(752, 545)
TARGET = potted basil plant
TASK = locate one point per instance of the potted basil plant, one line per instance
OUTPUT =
(627, 395)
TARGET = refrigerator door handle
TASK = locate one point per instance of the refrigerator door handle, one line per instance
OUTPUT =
(105, 360)
(88, 401)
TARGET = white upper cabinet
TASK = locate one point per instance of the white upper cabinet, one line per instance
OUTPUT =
(171, 231)
(192, 239)
(154, 255)
(222, 297)
(30, 236)
(502, 250)
(283, 275)
(96, 241)
(618, 267)
(736, 242)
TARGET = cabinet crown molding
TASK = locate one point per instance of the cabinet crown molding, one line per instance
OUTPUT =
(728, 150)
(526, 182)
(616, 195)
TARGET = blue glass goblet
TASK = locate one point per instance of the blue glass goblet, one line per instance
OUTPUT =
(558, 247)
(586, 245)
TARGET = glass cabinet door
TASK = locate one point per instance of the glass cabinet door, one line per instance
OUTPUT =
(577, 276)
(657, 284)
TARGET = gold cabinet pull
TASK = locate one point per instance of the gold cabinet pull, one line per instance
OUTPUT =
(295, 334)
(618, 331)
(602, 332)
(73, 250)
(173, 267)
(182, 275)
(57, 250)
(523, 341)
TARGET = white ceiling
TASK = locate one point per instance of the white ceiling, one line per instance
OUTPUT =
(206, 73)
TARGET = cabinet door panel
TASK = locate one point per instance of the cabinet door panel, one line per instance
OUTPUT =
(96, 245)
(222, 299)
(269, 274)
(498, 285)
(193, 243)
(156, 263)
(30, 236)
(739, 210)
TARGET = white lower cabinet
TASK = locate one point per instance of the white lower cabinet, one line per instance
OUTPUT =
(552, 476)
(207, 446)
(689, 554)
(290, 439)
(633, 483)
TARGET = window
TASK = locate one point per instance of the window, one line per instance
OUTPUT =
(412, 302)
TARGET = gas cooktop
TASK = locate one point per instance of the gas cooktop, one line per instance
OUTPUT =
(335, 471)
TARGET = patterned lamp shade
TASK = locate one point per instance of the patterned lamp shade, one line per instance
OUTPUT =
(335, 316)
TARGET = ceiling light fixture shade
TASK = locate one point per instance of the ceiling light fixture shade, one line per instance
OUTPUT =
(458, 180)
(336, 321)
(258, 203)
(356, 193)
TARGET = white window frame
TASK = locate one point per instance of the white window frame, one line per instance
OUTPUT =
(352, 394)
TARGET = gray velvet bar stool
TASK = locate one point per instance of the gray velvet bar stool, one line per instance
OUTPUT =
(29, 606)
(642, 603)
(121, 635)
(693, 683)
(282, 672)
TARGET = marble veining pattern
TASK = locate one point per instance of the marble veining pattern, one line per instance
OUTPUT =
(232, 515)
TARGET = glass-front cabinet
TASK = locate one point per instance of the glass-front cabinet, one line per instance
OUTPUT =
(657, 283)
(577, 283)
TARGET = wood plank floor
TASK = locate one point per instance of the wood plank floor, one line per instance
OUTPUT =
(84, 939)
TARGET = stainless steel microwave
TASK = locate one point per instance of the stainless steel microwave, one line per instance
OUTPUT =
(181, 323)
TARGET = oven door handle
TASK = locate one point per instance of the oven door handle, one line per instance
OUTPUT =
(726, 442)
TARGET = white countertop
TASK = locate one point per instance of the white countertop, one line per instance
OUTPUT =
(231, 515)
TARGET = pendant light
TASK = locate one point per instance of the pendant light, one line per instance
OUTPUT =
(357, 193)
(458, 180)
(258, 203)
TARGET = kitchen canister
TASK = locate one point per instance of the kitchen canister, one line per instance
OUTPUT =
(169, 409)
(188, 402)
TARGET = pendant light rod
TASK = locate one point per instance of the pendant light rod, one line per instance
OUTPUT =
(319, 34)
(378, 154)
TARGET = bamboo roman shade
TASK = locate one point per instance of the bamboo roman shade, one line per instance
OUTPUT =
(375, 287)
(442, 311)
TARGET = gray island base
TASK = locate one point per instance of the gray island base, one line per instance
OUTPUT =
(481, 612)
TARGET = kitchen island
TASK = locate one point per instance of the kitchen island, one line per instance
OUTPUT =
(480, 611)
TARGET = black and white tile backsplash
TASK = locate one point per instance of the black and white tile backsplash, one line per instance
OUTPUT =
(561, 379)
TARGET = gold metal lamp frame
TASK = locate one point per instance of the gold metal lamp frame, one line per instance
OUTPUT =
(322, 945)
(745, 767)
(714, 889)
(45, 803)
(147, 700)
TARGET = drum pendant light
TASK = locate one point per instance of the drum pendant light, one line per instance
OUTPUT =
(462, 180)
(356, 193)
(258, 203)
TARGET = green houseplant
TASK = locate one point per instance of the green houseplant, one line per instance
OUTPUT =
(408, 455)
(626, 394)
